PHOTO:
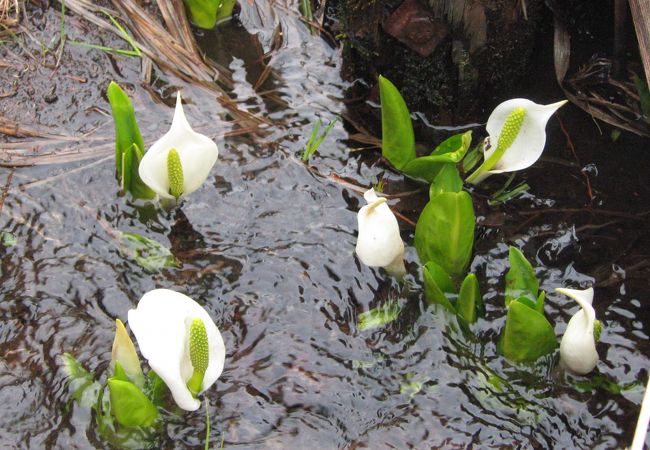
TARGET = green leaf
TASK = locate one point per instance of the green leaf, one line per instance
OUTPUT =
(85, 390)
(203, 13)
(445, 232)
(129, 146)
(379, 316)
(398, 140)
(451, 151)
(447, 180)
(644, 94)
(527, 336)
(437, 284)
(225, 9)
(129, 405)
(147, 253)
(469, 303)
(8, 239)
(520, 279)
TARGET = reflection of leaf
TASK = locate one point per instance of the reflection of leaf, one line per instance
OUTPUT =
(445, 232)
(147, 253)
(155, 388)
(81, 382)
(600, 381)
(527, 335)
(379, 316)
(8, 239)
(520, 279)
(398, 140)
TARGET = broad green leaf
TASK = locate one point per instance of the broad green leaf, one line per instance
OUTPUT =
(445, 232)
(398, 140)
(379, 316)
(225, 9)
(127, 135)
(85, 390)
(520, 279)
(447, 180)
(450, 151)
(203, 13)
(437, 283)
(469, 303)
(527, 335)
(147, 253)
(8, 239)
(129, 405)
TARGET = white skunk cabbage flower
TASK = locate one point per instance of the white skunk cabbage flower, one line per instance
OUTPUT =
(516, 137)
(180, 161)
(181, 343)
(379, 243)
(123, 352)
(578, 345)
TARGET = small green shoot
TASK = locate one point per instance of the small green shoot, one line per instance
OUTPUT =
(315, 140)
(8, 239)
(134, 52)
(305, 9)
(503, 195)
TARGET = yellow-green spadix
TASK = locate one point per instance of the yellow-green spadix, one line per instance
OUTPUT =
(164, 324)
(379, 243)
(578, 346)
(516, 137)
(195, 154)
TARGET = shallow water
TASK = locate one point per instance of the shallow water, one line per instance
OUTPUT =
(266, 245)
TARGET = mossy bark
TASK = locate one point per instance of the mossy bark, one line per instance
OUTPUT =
(483, 47)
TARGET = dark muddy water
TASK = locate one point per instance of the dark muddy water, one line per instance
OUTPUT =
(267, 246)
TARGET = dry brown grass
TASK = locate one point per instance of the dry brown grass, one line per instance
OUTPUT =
(9, 13)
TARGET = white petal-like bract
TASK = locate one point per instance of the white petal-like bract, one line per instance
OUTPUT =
(379, 243)
(161, 325)
(198, 153)
(578, 345)
(529, 143)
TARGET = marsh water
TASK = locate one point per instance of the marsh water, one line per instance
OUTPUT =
(267, 246)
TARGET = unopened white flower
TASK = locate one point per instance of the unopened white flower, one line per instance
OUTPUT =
(189, 165)
(516, 137)
(161, 324)
(578, 345)
(379, 243)
(123, 352)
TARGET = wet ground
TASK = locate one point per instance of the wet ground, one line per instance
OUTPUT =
(267, 246)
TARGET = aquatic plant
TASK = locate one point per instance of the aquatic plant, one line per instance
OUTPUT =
(129, 146)
(206, 13)
(516, 137)
(181, 343)
(578, 345)
(398, 140)
(315, 140)
(379, 243)
(527, 335)
(178, 163)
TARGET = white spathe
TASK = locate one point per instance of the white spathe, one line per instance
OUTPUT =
(161, 325)
(198, 153)
(379, 243)
(578, 345)
(529, 143)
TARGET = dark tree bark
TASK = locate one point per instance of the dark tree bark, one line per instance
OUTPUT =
(449, 58)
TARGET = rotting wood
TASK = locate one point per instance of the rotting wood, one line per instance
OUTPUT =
(641, 16)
